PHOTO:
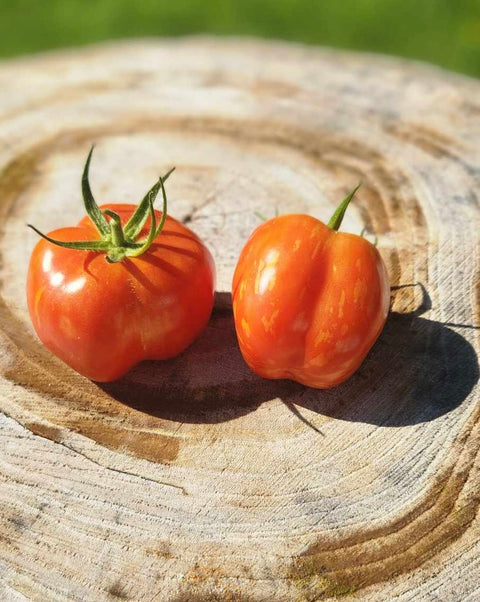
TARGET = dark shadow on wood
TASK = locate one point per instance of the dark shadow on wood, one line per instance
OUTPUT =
(417, 371)
(208, 383)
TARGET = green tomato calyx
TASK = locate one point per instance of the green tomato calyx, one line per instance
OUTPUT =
(337, 218)
(117, 241)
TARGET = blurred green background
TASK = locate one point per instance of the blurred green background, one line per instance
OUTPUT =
(445, 32)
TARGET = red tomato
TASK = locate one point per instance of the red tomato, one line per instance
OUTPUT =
(100, 317)
(308, 301)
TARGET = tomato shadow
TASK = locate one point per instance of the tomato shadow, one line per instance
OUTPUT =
(208, 383)
(418, 370)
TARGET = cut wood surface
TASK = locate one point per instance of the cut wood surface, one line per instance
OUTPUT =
(193, 479)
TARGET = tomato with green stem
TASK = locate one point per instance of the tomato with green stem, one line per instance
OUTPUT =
(308, 301)
(128, 283)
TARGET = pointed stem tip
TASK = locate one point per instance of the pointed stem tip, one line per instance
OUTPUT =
(116, 240)
(337, 218)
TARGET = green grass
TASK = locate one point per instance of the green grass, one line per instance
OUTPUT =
(445, 32)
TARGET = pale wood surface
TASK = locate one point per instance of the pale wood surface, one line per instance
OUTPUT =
(194, 479)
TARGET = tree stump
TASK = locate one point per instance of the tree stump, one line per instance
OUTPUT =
(193, 479)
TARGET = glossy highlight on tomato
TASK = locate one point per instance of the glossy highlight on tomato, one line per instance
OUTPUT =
(146, 296)
(308, 301)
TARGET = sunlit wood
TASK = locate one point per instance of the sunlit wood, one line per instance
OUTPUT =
(194, 479)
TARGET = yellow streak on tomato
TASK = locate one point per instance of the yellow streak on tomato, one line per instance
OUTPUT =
(67, 327)
(268, 322)
(322, 337)
(318, 361)
(360, 292)
(341, 303)
(296, 245)
(258, 276)
(38, 296)
(267, 273)
(246, 327)
(271, 282)
(300, 324)
(243, 286)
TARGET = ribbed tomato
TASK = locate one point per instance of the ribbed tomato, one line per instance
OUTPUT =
(308, 301)
(106, 294)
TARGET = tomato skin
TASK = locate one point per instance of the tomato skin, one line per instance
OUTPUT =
(308, 302)
(102, 318)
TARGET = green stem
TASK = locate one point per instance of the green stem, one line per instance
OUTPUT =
(116, 230)
(79, 245)
(91, 206)
(337, 218)
(115, 240)
(164, 209)
(138, 219)
(151, 235)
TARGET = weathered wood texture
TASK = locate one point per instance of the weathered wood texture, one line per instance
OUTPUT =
(193, 479)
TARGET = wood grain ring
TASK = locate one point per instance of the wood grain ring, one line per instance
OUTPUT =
(234, 413)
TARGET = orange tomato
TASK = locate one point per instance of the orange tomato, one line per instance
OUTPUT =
(309, 302)
(104, 295)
